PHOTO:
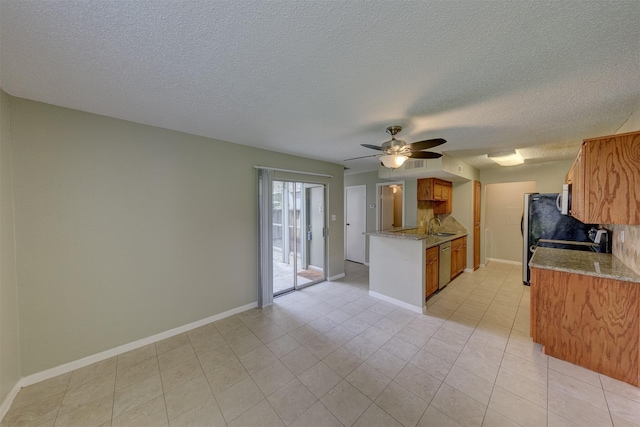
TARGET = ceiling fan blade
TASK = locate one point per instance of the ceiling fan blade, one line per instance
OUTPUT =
(363, 157)
(373, 147)
(426, 144)
(425, 155)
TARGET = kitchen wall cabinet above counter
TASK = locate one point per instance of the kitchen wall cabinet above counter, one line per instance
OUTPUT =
(438, 191)
(604, 180)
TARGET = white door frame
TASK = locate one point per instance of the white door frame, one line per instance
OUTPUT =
(379, 198)
(364, 220)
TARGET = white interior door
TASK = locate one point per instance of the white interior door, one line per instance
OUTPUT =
(355, 225)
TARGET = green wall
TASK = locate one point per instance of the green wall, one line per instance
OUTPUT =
(124, 231)
(9, 333)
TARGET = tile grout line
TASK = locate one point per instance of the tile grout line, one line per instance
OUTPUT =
(66, 390)
(164, 395)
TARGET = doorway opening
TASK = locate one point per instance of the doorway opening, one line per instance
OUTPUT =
(298, 235)
(390, 212)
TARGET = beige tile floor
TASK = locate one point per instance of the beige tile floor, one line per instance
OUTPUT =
(330, 355)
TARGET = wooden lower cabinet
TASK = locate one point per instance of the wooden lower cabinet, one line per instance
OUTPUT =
(588, 321)
(458, 256)
(431, 274)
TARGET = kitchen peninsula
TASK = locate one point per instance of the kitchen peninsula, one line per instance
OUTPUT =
(398, 262)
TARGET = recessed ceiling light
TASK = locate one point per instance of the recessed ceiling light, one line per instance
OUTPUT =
(507, 158)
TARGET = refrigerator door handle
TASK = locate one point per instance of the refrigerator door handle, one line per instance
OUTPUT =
(524, 225)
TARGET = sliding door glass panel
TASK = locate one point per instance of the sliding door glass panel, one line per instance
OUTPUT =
(283, 278)
(298, 235)
(311, 267)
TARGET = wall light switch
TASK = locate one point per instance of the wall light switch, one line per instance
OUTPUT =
(622, 236)
(333, 217)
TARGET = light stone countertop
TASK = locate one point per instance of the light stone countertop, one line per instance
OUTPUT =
(582, 262)
(411, 234)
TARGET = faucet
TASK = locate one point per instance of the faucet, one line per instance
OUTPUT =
(430, 230)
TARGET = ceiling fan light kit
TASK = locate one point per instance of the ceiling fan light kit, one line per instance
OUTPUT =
(393, 161)
(395, 151)
(507, 158)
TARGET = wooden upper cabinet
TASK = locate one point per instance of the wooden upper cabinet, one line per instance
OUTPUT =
(436, 190)
(433, 189)
(577, 186)
(604, 180)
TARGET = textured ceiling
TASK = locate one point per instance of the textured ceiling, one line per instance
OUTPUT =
(318, 79)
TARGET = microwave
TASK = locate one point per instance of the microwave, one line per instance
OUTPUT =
(563, 201)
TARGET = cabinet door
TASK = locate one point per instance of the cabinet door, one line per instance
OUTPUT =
(569, 178)
(438, 190)
(611, 175)
(577, 187)
(463, 254)
(604, 180)
(458, 256)
(537, 313)
(447, 195)
(455, 247)
(431, 274)
(477, 191)
(444, 203)
(425, 189)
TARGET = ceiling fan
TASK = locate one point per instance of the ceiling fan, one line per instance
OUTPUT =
(395, 151)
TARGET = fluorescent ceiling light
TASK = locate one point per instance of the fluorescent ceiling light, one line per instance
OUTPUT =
(393, 161)
(507, 158)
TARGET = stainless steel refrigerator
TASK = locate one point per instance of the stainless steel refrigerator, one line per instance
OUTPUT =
(544, 225)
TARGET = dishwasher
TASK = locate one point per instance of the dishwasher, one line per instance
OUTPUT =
(444, 265)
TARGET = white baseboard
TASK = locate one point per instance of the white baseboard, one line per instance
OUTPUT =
(402, 304)
(6, 403)
(505, 261)
(85, 361)
(336, 277)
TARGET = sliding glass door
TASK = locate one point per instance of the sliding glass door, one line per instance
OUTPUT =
(298, 235)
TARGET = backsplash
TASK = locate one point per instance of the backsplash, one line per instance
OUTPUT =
(449, 223)
(629, 251)
(425, 213)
